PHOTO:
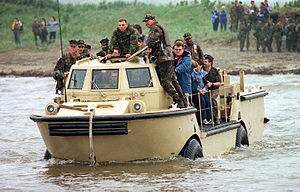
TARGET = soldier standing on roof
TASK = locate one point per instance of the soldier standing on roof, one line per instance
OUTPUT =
(64, 64)
(158, 40)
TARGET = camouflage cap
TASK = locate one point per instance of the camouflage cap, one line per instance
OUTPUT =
(80, 43)
(73, 43)
(104, 41)
(187, 36)
(148, 17)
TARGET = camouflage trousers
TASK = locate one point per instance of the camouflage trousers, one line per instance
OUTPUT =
(278, 41)
(169, 81)
(242, 42)
(234, 23)
(269, 44)
(260, 43)
(247, 40)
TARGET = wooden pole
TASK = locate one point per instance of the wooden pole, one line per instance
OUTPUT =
(92, 154)
(225, 104)
(200, 112)
(211, 109)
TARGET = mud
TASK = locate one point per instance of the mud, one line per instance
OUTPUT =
(33, 62)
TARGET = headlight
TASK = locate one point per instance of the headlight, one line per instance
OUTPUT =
(137, 107)
(52, 109)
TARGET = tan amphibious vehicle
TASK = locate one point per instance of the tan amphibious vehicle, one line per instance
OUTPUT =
(118, 111)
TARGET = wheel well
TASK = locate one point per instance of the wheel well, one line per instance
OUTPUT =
(244, 125)
(195, 136)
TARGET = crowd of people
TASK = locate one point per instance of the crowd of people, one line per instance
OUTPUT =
(185, 73)
(39, 30)
(266, 29)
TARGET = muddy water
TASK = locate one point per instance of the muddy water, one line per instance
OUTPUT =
(270, 165)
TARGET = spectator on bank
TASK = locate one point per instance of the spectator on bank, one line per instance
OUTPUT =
(44, 31)
(53, 24)
(36, 29)
(223, 19)
(17, 27)
(215, 18)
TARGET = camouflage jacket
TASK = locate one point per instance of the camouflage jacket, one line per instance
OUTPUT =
(84, 54)
(291, 31)
(212, 76)
(258, 31)
(277, 30)
(266, 34)
(127, 42)
(157, 43)
(240, 11)
(196, 52)
(298, 32)
(243, 31)
(63, 65)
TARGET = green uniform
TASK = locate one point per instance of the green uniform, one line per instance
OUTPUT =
(254, 11)
(277, 35)
(298, 37)
(196, 52)
(63, 65)
(243, 33)
(269, 35)
(234, 17)
(166, 72)
(103, 52)
(258, 34)
(240, 15)
(231, 17)
(291, 36)
(84, 54)
(127, 42)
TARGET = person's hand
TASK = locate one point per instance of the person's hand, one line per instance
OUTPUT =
(108, 56)
(66, 74)
(209, 84)
(127, 55)
(176, 70)
(194, 63)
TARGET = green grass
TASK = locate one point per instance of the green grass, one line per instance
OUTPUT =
(92, 22)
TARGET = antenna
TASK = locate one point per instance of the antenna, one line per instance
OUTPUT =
(61, 48)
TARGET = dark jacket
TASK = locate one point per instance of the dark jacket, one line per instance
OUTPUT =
(212, 76)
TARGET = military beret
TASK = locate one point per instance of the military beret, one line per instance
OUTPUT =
(88, 46)
(80, 43)
(148, 17)
(104, 41)
(73, 42)
(187, 36)
(210, 58)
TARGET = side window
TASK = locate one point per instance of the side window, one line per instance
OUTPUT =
(139, 77)
(77, 79)
(105, 79)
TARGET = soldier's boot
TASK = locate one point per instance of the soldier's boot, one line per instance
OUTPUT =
(264, 50)
(241, 50)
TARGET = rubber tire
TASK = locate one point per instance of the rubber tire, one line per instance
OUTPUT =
(241, 137)
(193, 150)
(47, 155)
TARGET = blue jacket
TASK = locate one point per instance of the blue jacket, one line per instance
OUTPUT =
(213, 14)
(197, 80)
(223, 16)
(184, 69)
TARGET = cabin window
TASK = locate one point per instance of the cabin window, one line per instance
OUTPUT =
(105, 79)
(77, 79)
(139, 77)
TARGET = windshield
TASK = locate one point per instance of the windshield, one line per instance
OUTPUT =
(139, 77)
(105, 79)
(77, 79)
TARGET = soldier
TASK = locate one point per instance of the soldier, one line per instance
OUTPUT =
(298, 36)
(158, 40)
(139, 31)
(278, 33)
(231, 9)
(240, 14)
(243, 32)
(194, 49)
(36, 29)
(104, 47)
(269, 35)
(265, 36)
(235, 16)
(124, 38)
(89, 50)
(291, 36)
(213, 81)
(64, 64)
(82, 51)
(259, 35)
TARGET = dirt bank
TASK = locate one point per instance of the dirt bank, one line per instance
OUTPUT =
(30, 62)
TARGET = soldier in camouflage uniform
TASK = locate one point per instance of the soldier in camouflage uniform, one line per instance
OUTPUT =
(124, 38)
(243, 33)
(231, 16)
(104, 47)
(158, 40)
(298, 36)
(240, 14)
(64, 64)
(278, 33)
(254, 11)
(265, 36)
(234, 16)
(270, 31)
(194, 49)
(258, 34)
(82, 51)
(291, 36)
